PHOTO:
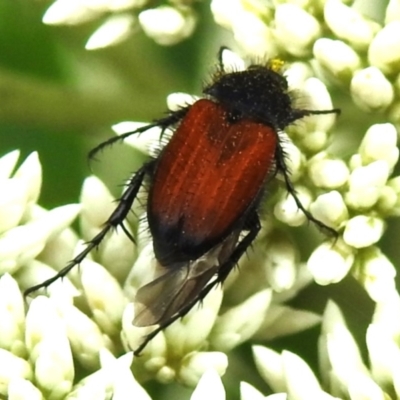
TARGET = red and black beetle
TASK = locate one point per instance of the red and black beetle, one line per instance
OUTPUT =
(205, 187)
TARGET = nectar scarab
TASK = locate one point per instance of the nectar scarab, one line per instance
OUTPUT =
(205, 188)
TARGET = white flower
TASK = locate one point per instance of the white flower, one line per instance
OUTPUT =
(337, 57)
(379, 143)
(282, 263)
(283, 321)
(384, 50)
(209, 387)
(124, 382)
(194, 365)
(384, 354)
(21, 244)
(8, 163)
(343, 367)
(370, 90)
(190, 332)
(69, 12)
(20, 191)
(154, 354)
(287, 372)
(318, 98)
(115, 29)
(85, 337)
(348, 24)
(114, 378)
(249, 28)
(12, 317)
(104, 296)
(376, 273)
(392, 11)
(363, 231)
(330, 262)
(294, 159)
(330, 209)
(295, 29)
(366, 183)
(35, 272)
(327, 172)
(97, 203)
(248, 392)
(232, 62)
(287, 211)
(12, 368)
(175, 101)
(117, 251)
(167, 25)
(23, 389)
(49, 348)
(269, 366)
(241, 322)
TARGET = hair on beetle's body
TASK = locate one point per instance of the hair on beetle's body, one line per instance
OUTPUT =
(205, 188)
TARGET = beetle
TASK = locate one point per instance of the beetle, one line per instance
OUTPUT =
(206, 187)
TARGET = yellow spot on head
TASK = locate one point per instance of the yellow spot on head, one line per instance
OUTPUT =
(276, 64)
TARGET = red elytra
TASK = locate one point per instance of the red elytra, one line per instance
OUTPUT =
(205, 188)
(210, 173)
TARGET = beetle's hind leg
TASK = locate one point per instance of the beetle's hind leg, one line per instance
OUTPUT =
(116, 219)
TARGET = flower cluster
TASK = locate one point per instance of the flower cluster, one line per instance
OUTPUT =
(77, 342)
(87, 316)
(165, 24)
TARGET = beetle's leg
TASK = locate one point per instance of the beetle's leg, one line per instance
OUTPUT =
(284, 170)
(164, 123)
(117, 218)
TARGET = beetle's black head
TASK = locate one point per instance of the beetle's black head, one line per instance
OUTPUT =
(260, 92)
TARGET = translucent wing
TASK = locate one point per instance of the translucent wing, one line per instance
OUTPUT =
(159, 300)
(166, 296)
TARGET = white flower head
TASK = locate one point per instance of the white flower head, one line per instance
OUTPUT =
(376, 273)
(330, 209)
(167, 25)
(241, 322)
(12, 368)
(337, 57)
(104, 296)
(49, 348)
(348, 24)
(330, 262)
(12, 317)
(327, 172)
(286, 210)
(115, 29)
(384, 50)
(363, 231)
(176, 101)
(209, 386)
(295, 29)
(19, 191)
(379, 143)
(366, 184)
(371, 90)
